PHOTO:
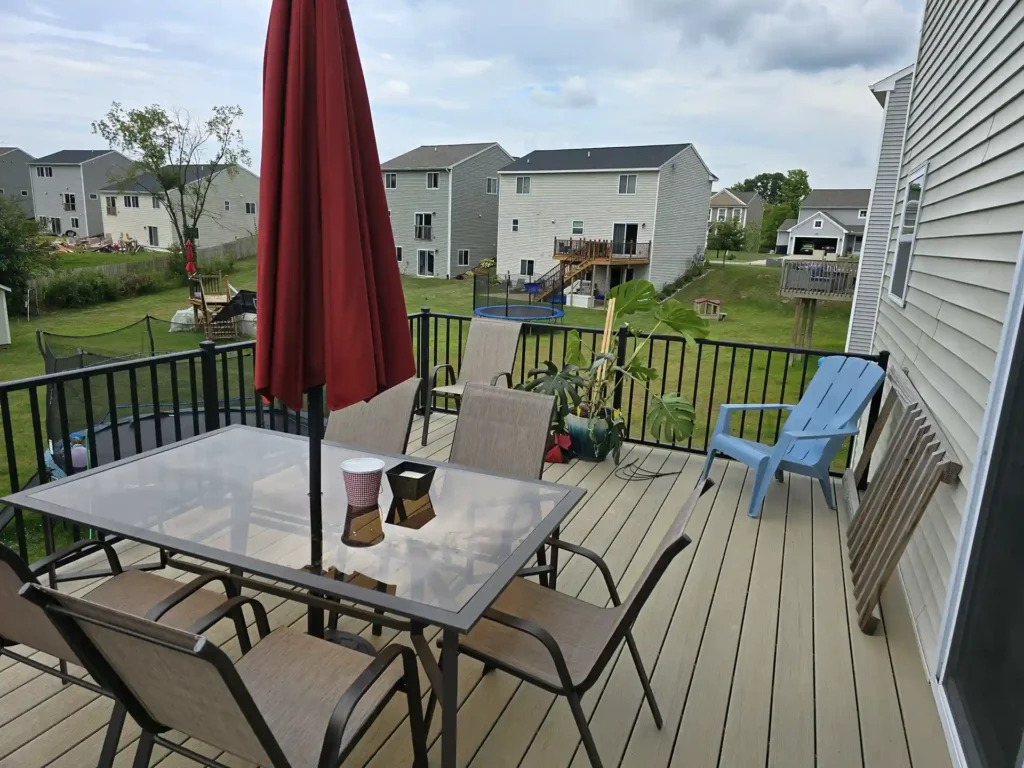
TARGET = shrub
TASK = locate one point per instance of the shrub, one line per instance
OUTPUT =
(81, 289)
(142, 283)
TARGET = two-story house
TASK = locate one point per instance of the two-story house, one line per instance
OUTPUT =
(605, 214)
(16, 177)
(139, 209)
(443, 201)
(65, 189)
(830, 220)
(746, 208)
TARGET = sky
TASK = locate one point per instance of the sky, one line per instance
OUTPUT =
(755, 85)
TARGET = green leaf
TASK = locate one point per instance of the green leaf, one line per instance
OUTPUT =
(641, 372)
(574, 350)
(670, 418)
(563, 384)
(682, 320)
(632, 297)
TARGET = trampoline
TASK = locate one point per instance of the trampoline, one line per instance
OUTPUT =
(537, 301)
(532, 312)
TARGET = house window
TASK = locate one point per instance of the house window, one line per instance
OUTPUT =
(862, 213)
(721, 214)
(398, 252)
(433, 180)
(463, 257)
(818, 223)
(24, 193)
(425, 265)
(74, 222)
(44, 171)
(43, 222)
(515, 225)
(92, 195)
(250, 208)
(69, 201)
(899, 280)
(131, 201)
(156, 201)
(154, 236)
(227, 205)
(627, 184)
(111, 205)
(424, 226)
(737, 214)
(390, 181)
(526, 267)
(577, 227)
(522, 185)
(711, 213)
(492, 185)
(1, 191)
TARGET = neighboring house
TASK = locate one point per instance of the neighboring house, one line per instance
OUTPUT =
(893, 94)
(951, 314)
(65, 189)
(16, 177)
(831, 220)
(606, 214)
(443, 201)
(743, 207)
(138, 209)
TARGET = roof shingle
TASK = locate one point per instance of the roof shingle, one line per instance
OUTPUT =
(431, 156)
(71, 156)
(145, 182)
(597, 159)
(837, 198)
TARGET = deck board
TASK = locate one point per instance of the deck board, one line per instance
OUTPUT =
(750, 639)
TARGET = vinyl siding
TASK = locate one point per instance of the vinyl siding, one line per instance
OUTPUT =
(964, 121)
(556, 199)
(412, 197)
(15, 177)
(97, 174)
(680, 228)
(474, 212)
(47, 200)
(828, 228)
(842, 215)
(879, 225)
(755, 211)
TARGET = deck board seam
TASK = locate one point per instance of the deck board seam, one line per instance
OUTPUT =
(778, 624)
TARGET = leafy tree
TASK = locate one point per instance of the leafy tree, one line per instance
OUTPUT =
(23, 251)
(767, 185)
(726, 236)
(752, 237)
(794, 189)
(163, 144)
(772, 219)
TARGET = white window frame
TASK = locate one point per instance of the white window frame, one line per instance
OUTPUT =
(390, 180)
(721, 214)
(818, 224)
(862, 213)
(398, 253)
(250, 209)
(227, 206)
(711, 214)
(737, 214)
(131, 201)
(419, 221)
(515, 225)
(581, 223)
(462, 257)
(75, 223)
(524, 184)
(156, 202)
(918, 174)
(529, 263)
(1, 190)
(436, 176)
(92, 195)
(111, 201)
(153, 234)
(624, 180)
(491, 186)
(431, 252)
(44, 171)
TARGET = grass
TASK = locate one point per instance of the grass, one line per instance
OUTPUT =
(714, 257)
(93, 259)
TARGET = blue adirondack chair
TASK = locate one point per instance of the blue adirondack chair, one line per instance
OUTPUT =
(812, 435)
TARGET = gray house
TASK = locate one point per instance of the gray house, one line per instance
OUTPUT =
(66, 185)
(747, 208)
(831, 220)
(15, 177)
(443, 201)
(893, 94)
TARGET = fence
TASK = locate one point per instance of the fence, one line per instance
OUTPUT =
(110, 411)
(242, 248)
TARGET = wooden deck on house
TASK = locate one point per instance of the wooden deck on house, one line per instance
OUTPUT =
(756, 657)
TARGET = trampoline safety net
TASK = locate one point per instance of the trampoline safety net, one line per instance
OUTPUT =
(518, 299)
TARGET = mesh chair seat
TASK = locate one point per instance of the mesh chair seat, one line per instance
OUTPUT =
(136, 592)
(295, 680)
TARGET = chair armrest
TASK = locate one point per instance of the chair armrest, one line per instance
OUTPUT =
(225, 609)
(804, 435)
(437, 369)
(538, 633)
(728, 407)
(508, 377)
(54, 560)
(593, 557)
(157, 611)
(330, 752)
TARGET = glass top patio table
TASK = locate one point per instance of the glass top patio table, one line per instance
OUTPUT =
(238, 496)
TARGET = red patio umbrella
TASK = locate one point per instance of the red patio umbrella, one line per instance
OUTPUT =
(190, 258)
(331, 308)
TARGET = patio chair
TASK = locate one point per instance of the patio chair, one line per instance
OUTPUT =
(506, 431)
(814, 431)
(173, 603)
(278, 706)
(490, 355)
(563, 644)
(381, 425)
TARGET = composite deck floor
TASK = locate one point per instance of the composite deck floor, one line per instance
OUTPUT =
(755, 658)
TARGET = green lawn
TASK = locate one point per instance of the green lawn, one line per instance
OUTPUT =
(92, 259)
(715, 257)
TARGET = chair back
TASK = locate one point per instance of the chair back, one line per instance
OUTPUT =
(165, 678)
(490, 350)
(21, 622)
(504, 431)
(835, 399)
(379, 426)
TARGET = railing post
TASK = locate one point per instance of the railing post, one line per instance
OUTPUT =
(423, 353)
(208, 370)
(620, 361)
(873, 410)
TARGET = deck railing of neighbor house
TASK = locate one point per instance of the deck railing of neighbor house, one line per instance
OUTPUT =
(816, 279)
(584, 248)
(94, 415)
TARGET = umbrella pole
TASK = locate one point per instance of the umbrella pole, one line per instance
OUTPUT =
(314, 426)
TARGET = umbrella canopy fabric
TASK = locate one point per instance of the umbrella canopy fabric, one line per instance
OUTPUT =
(190, 258)
(331, 307)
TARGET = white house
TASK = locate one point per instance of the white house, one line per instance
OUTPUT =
(139, 209)
(608, 213)
(831, 220)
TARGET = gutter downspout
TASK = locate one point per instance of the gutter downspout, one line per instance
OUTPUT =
(451, 178)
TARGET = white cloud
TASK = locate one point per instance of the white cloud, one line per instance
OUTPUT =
(573, 92)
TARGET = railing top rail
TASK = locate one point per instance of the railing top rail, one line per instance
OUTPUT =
(97, 370)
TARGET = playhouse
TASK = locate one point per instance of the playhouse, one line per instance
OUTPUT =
(709, 309)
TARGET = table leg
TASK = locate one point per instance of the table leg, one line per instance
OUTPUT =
(449, 698)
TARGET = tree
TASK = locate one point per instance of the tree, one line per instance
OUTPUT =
(767, 185)
(166, 146)
(726, 236)
(794, 189)
(23, 253)
(752, 237)
(771, 220)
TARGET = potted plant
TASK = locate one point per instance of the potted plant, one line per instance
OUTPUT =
(584, 388)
